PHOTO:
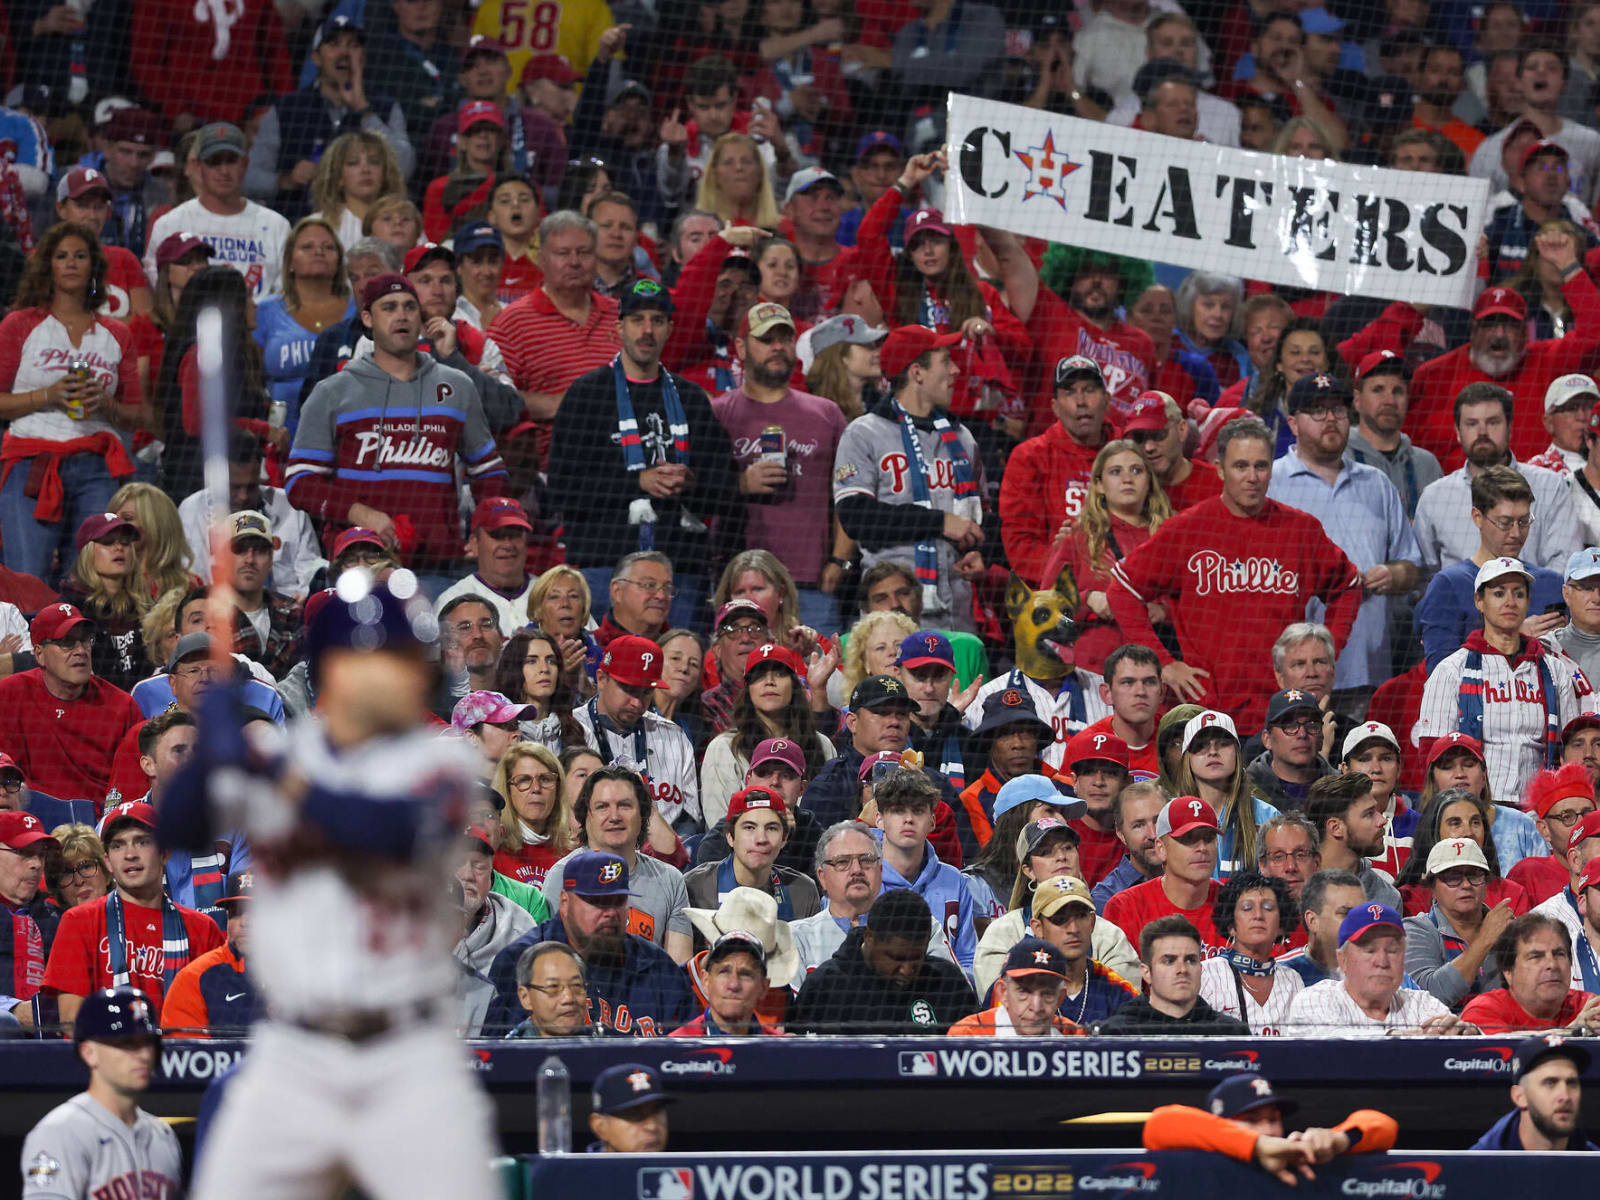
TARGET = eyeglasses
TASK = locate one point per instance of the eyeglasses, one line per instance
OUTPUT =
(486, 625)
(1341, 413)
(751, 628)
(844, 862)
(574, 988)
(1507, 524)
(1309, 725)
(526, 783)
(15, 785)
(87, 869)
(1463, 877)
(651, 587)
(204, 671)
(1279, 857)
(70, 643)
(1570, 817)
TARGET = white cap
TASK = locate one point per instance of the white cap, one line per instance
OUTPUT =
(1565, 388)
(1457, 852)
(1200, 722)
(1368, 731)
(1496, 567)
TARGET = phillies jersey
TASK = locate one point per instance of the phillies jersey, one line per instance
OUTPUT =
(80, 959)
(1133, 909)
(1053, 703)
(1046, 482)
(667, 763)
(1237, 582)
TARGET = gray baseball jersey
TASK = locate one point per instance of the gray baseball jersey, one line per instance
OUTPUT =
(80, 1151)
(872, 461)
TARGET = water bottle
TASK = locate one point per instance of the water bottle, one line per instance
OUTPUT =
(555, 1107)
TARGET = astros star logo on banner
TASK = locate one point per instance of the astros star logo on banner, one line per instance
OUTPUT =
(1047, 171)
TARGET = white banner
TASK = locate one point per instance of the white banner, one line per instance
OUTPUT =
(1324, 225)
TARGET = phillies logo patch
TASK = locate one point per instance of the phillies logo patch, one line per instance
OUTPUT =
(1099, 740)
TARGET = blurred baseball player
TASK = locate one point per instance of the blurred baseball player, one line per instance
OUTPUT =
(356, 1078)
(101, 1143)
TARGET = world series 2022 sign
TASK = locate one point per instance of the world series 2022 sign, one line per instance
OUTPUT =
(1301, 222)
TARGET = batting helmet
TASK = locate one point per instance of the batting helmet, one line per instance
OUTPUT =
(364, 615)
(119, 1012)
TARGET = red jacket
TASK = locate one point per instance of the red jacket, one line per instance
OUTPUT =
(1045, 483)
(1126, 355)
(209, 60)
(1100, 635)
(1431, 417)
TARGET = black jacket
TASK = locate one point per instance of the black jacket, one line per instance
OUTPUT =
(1137, 1016)
(835, 794)
(845, 995)
(931, 743)
(591, 485)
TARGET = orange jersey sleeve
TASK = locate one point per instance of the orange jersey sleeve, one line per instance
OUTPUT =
(1370, 1131)
(1180, 1127)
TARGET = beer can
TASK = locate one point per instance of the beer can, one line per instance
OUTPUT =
(77, 369)
(772, 447)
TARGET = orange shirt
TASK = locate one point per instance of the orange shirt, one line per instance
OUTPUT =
(1466, 138)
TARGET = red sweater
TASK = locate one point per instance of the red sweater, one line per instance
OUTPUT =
(1133, 909)
(64, 747)
(209, 60)
(1126, 355)
(1498, 1012)
(1430, 419)
(1248, 576)
(1046, 482)
(1100, 635)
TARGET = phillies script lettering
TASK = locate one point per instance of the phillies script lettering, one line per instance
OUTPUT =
(376, 448)
(1520, 690)
(149, 961)
(894, 465)
(1214, 572)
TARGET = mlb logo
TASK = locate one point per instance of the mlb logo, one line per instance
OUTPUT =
(666, 1183)
(919, 1062)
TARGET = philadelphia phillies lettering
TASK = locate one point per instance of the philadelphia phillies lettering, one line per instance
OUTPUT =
(895, 467)
(1215, 572)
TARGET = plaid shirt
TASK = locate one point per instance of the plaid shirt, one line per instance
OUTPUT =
(717, 704)
(284, 629)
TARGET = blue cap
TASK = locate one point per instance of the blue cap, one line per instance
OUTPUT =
(114, 1013)
(1368, 916)
(1024, 789)
(367, 616)
(626, 1086)
(871, 141)
(335, 25)
(1310, 391)
(1532, 1051)
(595, 875)
(926, 648)
(1320, 22)
(645, 294)
(1584, 564)
(1245, 1092)
(476, 237)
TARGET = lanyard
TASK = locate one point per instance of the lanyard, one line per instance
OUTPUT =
(605, 725)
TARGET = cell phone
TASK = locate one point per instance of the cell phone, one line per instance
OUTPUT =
(882, 771)
(1557, 607)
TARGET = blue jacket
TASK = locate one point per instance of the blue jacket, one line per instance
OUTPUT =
(1119, 879)
(647, 993)
(1446, 615)
(1504, 1135)
(949, 899)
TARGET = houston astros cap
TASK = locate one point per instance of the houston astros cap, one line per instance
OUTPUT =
(595, 875)
(1097, 746)
(240, 886)
(1290, 700)
(626, 1086)
(773, 653)
(1317, 390)
(114, 1014)
(754, 798)
(1055, 893)
(633, 661)
(1035, 833)
(1243, 1093)
(1034, 956)
(1535, 1050)
(1205, 722)
(1184, 814)
(1364, 917)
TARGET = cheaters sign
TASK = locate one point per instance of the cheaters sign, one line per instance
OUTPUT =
(1300, 222)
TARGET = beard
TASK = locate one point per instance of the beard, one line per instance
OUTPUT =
(772, 374)
(1498, 358)
(1484, 453)
(603, 945)
(1549, 1128)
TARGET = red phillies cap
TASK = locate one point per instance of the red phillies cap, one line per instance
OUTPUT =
(499, 512)
(1590, 875)
(356, 535)
(908, 343)
(1382, 360)
(780, 750)
(633, 661)
(176, 247)
(136, 811)
(1184, 814)
(1542, 146)
(1549, 788)
(383, 285)
(1451, 741)
(1500, 302)
(553, 67)
(477, 833)
(80, 181)
(426, 252)
(772, 653)
(739, 606)
(1087, 746)
(480, 112)
(925, 220)
(1587, 828)
(1149, 412)
(19, 830)
(7, 763)
(55, 621)
(99, 526)
(757, 798)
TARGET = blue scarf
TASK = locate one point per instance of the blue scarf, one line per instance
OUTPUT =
(1246, 964)
(174, 940)
(966, 487)
(633, 447)
(1469, 701)
(1588, 964)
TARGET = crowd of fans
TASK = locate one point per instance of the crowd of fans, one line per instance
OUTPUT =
(864, 622)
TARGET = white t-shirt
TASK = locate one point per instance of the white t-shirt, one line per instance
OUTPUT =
(1327, 1010)
(35, 352)
(251, 241)
(1217, 989)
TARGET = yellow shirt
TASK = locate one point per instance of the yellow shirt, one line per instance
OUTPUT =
(530, 27)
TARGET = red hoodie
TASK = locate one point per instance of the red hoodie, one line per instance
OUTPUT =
(1046, 482)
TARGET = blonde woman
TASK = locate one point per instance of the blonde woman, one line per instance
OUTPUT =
(536, 829)
(80, 874)
(760, 576)
(845, 370)
(558, 603)
(357, 170)
(316, 294)
(736, 185)
(163, 549)
(159, 628)
(107, 584)
(1303, 137)
(1124, 508)
(1211, 766)
(871, 647)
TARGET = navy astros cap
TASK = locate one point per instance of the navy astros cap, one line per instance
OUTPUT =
(1535, 1050)
(1315, 391)
(645, 294)
(1242, 1093)
(595, 875)
(626, 1086)
(114, 1013)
